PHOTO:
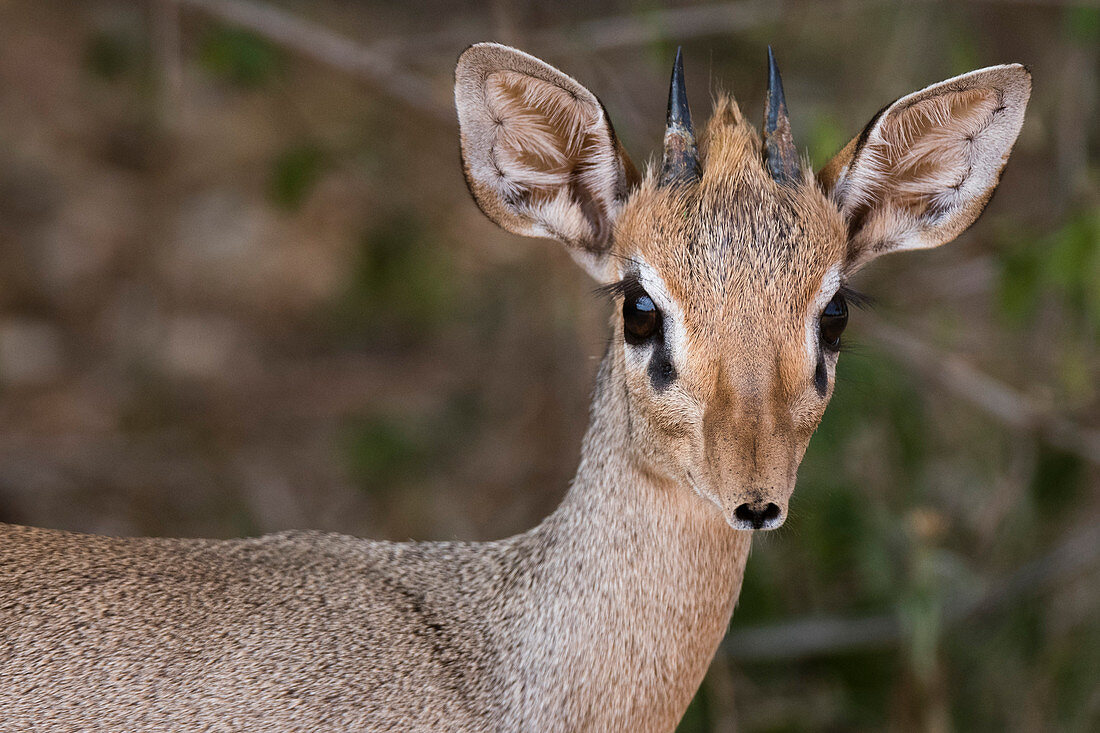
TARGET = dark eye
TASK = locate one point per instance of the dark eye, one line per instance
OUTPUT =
(833, 320)
(641, 319)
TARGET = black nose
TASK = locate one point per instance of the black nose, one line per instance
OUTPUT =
(756, 515)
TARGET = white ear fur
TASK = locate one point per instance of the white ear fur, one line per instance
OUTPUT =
(539, 153)
(926, 166)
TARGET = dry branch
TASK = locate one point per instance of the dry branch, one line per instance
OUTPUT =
(320, 44)
(600, 34)
(991, 396)
(672, 24)
(376, 62)
(831, 635)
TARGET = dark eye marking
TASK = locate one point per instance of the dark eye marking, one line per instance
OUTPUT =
(821, 376)
(661, 371)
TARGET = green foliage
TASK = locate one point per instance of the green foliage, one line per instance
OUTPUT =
(386, 451)
(383, 450)
(1083, 24)
(963, 48)
(1073, 661)
(1058, 481)
(239, 57)
(863, 681)
(827, 137)
(402, 282)
(1021, 280)
(1064, 263)
(294, 174)
(1073, 264)
(921, 613)
(111, 55)
(697, 718)
(846, 518)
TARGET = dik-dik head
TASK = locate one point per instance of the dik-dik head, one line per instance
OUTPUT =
(728, 261)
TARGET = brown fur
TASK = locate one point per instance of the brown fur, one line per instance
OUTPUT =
(606, 615)
(743, 257)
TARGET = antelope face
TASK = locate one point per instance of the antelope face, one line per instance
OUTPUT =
(729, 322)
(728, 264)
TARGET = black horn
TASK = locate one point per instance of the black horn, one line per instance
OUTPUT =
(681, 156)
(780, 155)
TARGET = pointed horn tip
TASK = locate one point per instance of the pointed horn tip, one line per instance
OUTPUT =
(678, 111)
(681, 158)
(776, 104)
(780, 154)
(775, 81)
(678, 68)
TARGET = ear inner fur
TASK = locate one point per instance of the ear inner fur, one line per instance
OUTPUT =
(924, 168)
(539, 153)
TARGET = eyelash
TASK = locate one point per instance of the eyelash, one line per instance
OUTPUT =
(854, 297)
(857, 299)
(620, 288)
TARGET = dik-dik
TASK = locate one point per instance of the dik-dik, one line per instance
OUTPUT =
(727, 263)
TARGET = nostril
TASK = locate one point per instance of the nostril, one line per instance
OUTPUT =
(757, 518)
(746, 514)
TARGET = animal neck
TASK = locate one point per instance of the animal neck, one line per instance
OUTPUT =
(631, 591)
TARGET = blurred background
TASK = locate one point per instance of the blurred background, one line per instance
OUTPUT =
(243, 289)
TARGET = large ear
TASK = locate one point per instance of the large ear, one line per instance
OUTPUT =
(925, 167)
(539, 153)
